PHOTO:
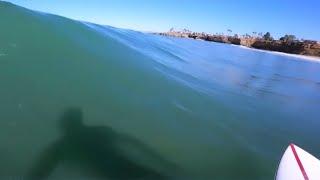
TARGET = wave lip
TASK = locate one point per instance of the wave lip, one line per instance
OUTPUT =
(297, 56)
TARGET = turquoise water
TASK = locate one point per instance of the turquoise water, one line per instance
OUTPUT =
(153, 107)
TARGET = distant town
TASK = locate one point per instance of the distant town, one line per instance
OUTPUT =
(287, 43)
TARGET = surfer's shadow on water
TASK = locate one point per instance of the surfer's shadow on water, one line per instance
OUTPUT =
(99, 148)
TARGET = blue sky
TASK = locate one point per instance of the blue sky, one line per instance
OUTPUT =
(299, 17)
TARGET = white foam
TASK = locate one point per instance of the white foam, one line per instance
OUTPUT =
(299, 56)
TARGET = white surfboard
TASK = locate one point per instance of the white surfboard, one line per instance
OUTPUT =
(297, 164)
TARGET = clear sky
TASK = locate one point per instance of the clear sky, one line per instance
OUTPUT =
(298, 17)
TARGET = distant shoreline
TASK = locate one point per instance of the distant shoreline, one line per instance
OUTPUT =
(287, 45)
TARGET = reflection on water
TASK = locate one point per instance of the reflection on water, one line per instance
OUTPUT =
(98, 148)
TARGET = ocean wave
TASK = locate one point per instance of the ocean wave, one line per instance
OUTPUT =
(208, 107)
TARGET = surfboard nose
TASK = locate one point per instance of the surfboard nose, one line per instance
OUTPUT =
(297, 164)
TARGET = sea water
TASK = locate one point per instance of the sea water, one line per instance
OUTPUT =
(213, 110)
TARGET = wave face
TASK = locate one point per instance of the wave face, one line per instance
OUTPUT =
(214, 110)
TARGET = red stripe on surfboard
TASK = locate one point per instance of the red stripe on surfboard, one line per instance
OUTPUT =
(304, 173)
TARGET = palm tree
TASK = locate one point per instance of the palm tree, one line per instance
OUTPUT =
(229, 31)
(254, 33)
